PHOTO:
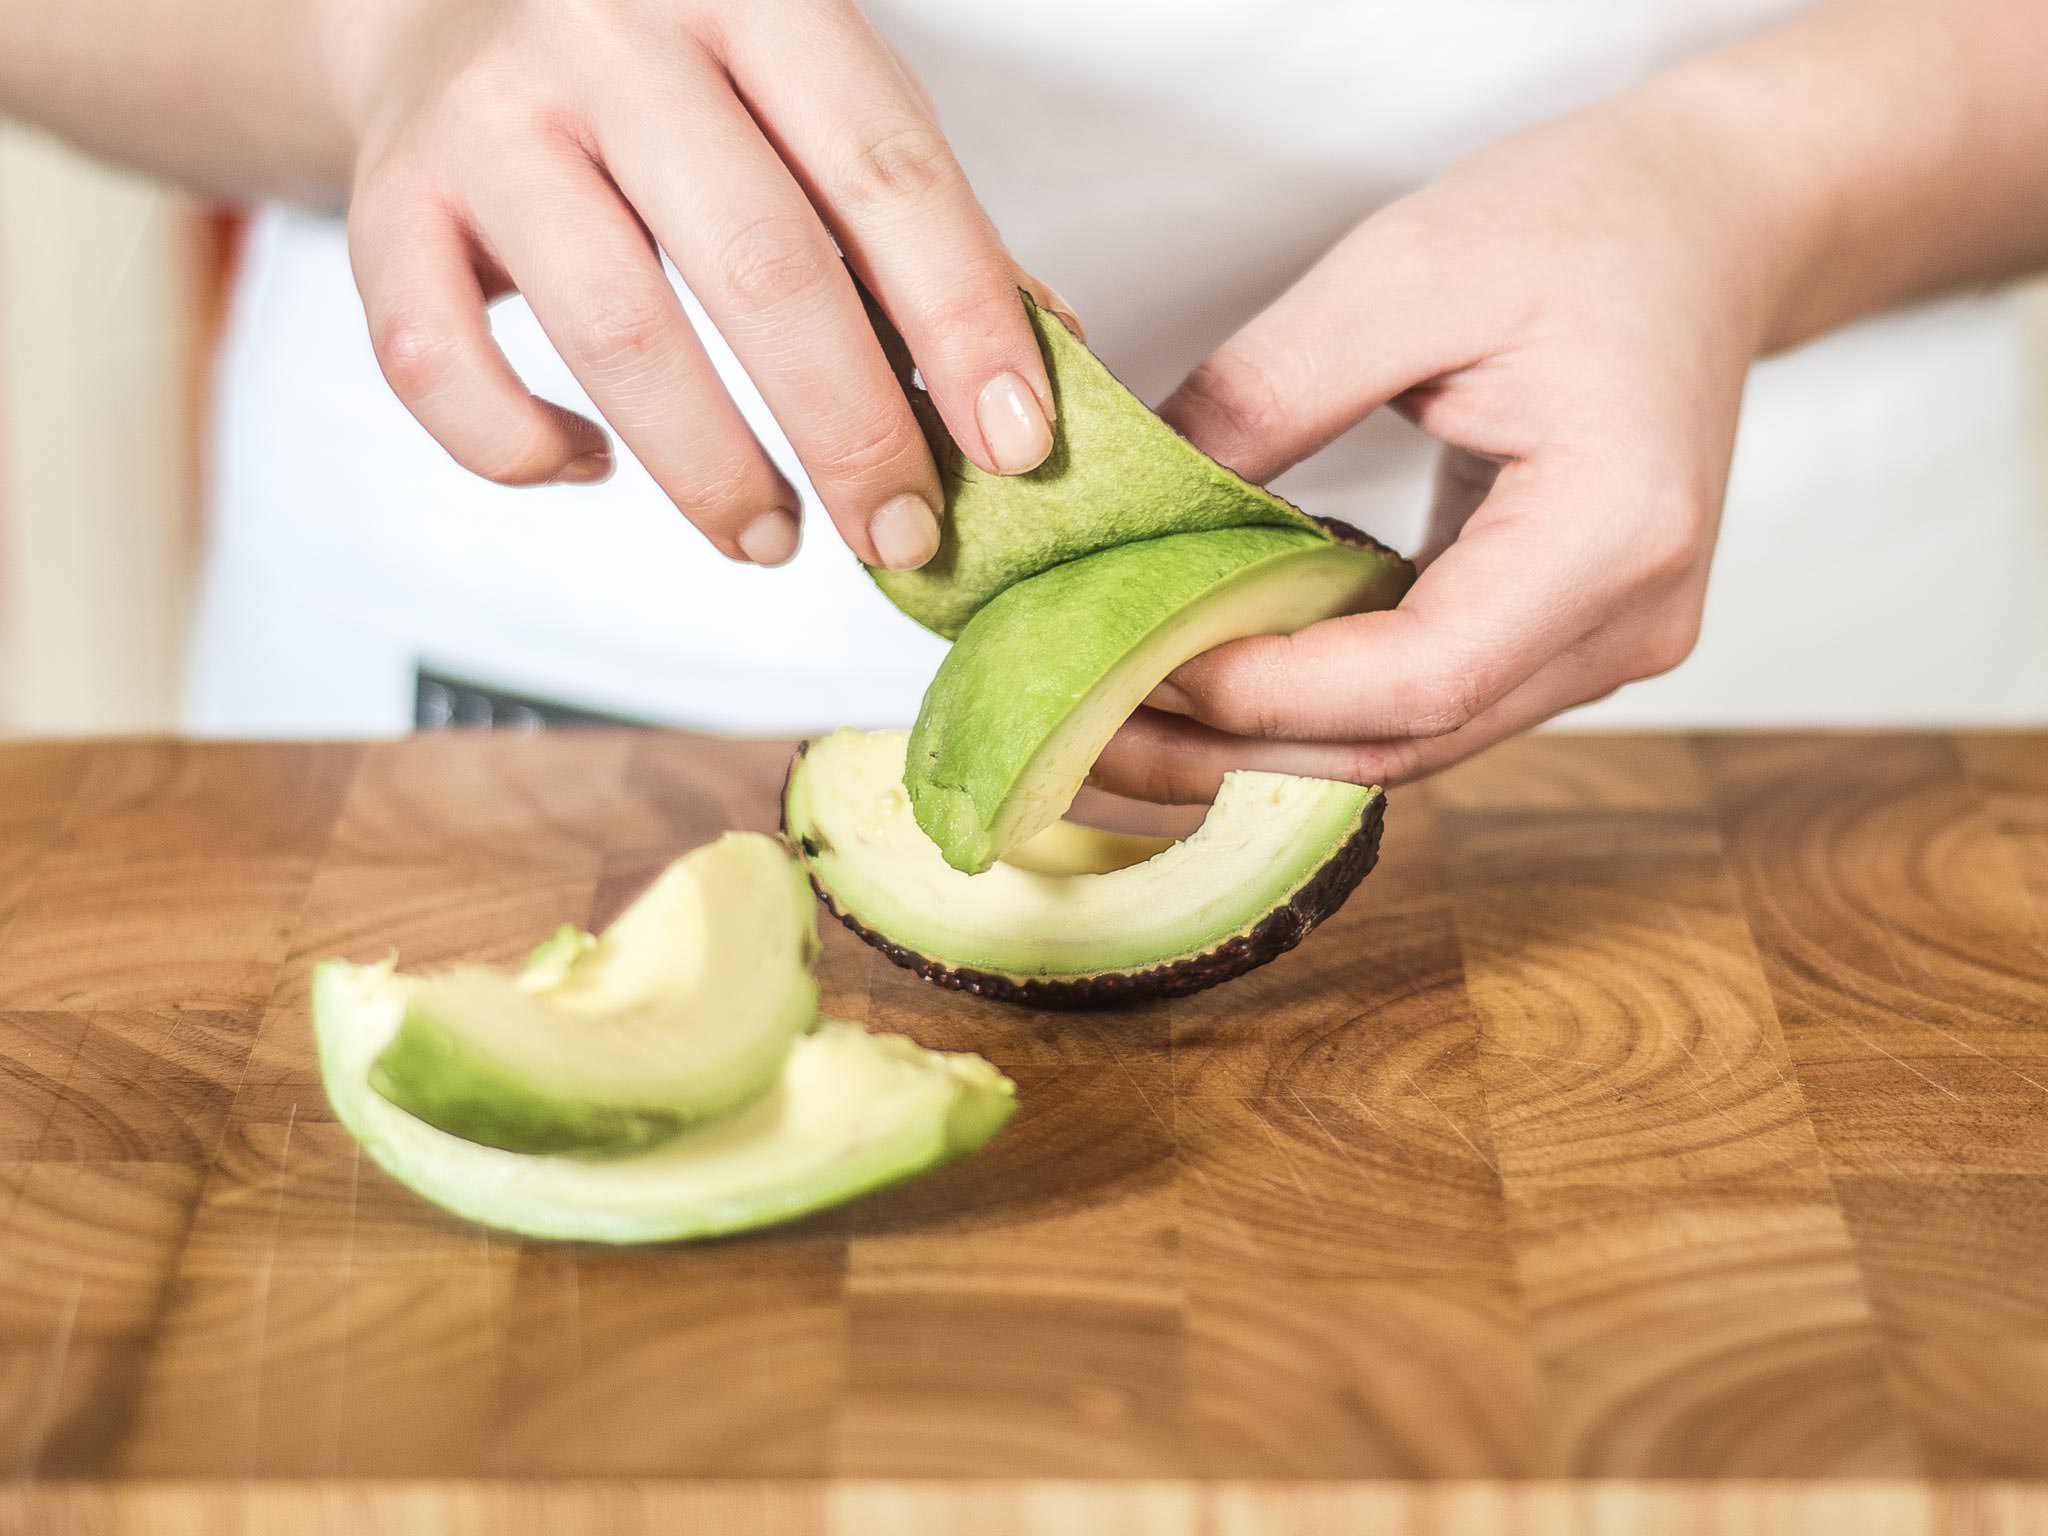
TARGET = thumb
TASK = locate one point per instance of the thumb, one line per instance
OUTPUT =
(1357, 329)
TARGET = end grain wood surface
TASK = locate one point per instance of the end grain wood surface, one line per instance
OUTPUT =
(1658, 1142)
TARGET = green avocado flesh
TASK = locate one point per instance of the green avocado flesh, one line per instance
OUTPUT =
(1074, 902)
(1041, 677)
(850, 1112)
(1116, 474)
(685, 1009)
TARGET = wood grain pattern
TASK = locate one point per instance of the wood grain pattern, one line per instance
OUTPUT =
(1659, 1141)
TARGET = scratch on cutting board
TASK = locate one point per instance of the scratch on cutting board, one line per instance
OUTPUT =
(45, 1418)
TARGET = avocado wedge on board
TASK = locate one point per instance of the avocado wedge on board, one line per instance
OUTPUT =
(1078, 917)
(843, 1112)
(685, 1009)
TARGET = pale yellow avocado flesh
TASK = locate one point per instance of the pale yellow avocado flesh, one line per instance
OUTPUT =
(850, 1112)
(685, 1008)
(1084, 904)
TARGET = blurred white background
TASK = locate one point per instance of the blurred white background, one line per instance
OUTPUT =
(110, 295)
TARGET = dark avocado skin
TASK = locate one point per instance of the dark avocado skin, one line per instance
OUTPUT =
(1358, 538)
(1275, 933)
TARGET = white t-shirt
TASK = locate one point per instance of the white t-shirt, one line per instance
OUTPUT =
(1884, 556)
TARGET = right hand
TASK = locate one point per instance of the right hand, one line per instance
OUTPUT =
(556, 146)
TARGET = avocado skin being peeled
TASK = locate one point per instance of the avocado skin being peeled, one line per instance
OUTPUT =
(1117, 474)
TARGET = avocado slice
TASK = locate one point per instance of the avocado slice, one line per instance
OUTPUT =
(1042, 676)
(1107, 923)
(1116, 474)
(850, 1112)
(682, 1011)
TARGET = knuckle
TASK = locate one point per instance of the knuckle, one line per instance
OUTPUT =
(417, 356)
(1236, 711)
(771, 262)
(862, 451)
(1241, 391)
(1443, 702)
(491, 102)
(510, 463)
(895, 166)
(1244, 690)
(628, 324)
(720, 497)
(1668, 645)
(1384, 763)
(975, 320)
(1257, 708)
(1670, 548)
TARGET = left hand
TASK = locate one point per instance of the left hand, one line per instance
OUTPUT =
(1572, 314)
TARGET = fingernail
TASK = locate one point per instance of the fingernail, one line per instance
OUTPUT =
(769, 539)
(1056, 302)
(1012, 424)
(585, 468)
(1171, 699)
(905, 532)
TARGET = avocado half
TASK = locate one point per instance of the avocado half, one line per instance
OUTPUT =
(1077, 917)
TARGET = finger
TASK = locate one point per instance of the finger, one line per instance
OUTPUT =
(868, 152)
(1177, 762)
(1354, 332)
(596, 285)
(755, 254)
(416, 268)
(1494, 608)
(1463, 482)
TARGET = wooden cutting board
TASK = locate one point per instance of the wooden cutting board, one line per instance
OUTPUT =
(1658, 1142)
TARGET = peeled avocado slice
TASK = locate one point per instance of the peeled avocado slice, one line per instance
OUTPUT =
(1108, 923)
(1116, 474)
(685, 1009)
(1042, 676)
(849, 1113)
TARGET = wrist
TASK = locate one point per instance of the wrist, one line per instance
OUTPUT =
(1839, 137)
(354, 43)
(1758, 225)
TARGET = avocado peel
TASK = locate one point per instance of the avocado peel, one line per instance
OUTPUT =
(1117, 474)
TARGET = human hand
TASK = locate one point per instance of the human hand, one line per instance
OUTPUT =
(1572, 314)
(556, 146)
